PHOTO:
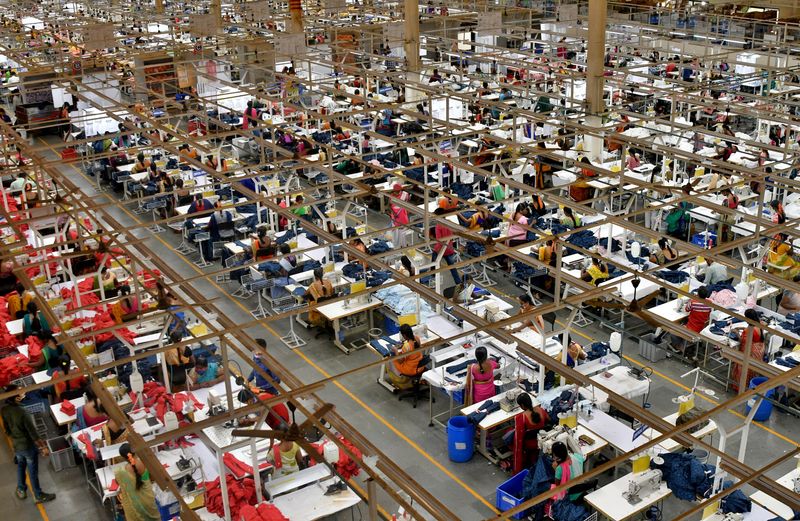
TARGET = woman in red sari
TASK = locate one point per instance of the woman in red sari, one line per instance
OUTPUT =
(526, 428)
(756, 349)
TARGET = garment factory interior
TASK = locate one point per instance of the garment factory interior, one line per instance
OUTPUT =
(412, 260)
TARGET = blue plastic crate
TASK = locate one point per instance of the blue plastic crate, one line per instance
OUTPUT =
(701, 239)
(509, 494)
(168, 512)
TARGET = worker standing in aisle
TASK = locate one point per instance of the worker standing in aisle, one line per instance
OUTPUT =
(27, 446)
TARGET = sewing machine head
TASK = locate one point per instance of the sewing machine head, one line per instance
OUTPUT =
(642, 485)
(509, 400)
(560, 433)
(732, 517)
(796, 484)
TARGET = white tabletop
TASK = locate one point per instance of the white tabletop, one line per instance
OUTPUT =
(295, 480)
(311, 503)
(671, 444)
(14, 326)
(757, 513)
(608, 499)
(773, 504)
(66, 419)
(620, 382)
(341, 308)
(616, 433)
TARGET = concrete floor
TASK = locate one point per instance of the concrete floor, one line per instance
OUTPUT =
(468, 489)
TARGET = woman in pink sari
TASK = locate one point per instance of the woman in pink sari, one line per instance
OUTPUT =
(480, 377)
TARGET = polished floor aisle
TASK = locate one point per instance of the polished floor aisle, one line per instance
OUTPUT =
(395, 427)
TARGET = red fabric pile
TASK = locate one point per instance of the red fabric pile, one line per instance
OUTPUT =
(346, 467)
(238, 467)
(103, 320)
(88, 298)
(149, 278)
(67, 407)
(240, 494)
(34, 348)
(13, 367)
(263, 512)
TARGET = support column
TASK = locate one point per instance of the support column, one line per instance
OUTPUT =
(159, 6)
(411, 46)
(296, 12)
(593, 145)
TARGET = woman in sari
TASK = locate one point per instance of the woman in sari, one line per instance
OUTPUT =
(90, 413)
(135, 489)
(480, 378)
(126, 308)
(780, 258)
(580, 190)
(756, 349)
(415, 363)
(527, 424)
(319, 289)
(34, 322)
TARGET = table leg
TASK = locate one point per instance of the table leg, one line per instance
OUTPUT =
(430, 406)
(336, 340)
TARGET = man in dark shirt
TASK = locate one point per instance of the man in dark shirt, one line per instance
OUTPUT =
(27, 444)
(261, 382)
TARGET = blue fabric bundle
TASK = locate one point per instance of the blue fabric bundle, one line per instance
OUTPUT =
(270, 267)
(378, 246)
(566, 510)
(596, 350)
(252, 221)
(353, 270)
(583, 239)
(537, 481)
(685, 476)
(523, 271)
(286, 237)
(461, 190)
(494, 233)
(310, 265)
(735, 502)
(787, 362)
(553, 225)
(564, 403)
(719, 286)
(376, 278)
(475, 249)
(488, 407)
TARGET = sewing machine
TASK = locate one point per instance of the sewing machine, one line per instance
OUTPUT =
(215, 406)
(642, 485)
(509, 400)
(560, 433)
(732, 517)
(796, 484)
(355, 288)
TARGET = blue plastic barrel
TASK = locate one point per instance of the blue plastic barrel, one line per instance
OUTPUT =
(765, 409)
(460, 439)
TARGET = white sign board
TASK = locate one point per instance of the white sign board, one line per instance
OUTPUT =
(290, 44)
(567, 12)
(204, 25)
(257, 11)
(490, 22)
(393, 34)
(98, 36)
(333, 6)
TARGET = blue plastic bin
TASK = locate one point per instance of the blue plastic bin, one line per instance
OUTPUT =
(390, 327)
(765, 409)
(460, 439)
(168, 512)
(509, 494)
